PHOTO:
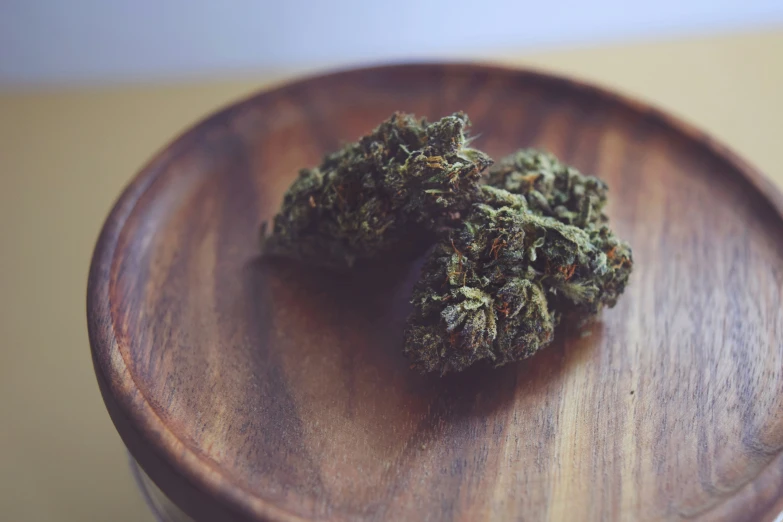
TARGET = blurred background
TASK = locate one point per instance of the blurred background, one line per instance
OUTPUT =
(97, 42)
(90, 89)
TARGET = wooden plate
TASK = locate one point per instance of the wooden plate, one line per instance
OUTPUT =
(255, 390)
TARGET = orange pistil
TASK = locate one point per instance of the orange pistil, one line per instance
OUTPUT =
(531, 178)
(497, 244)
(459, 270)
(458, 253)
(567, 271)
(435, 162)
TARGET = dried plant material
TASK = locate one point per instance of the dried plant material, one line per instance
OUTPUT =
(368, 197)
(495, 287)
(551, 188)
(514, 254)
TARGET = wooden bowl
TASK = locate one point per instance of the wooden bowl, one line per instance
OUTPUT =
(250, 389)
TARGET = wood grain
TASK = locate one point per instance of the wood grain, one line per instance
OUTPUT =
(256, 390)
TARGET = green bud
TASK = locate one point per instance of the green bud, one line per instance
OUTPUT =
(369, 197)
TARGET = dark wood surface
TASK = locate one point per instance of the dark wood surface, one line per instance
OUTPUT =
(253, 390)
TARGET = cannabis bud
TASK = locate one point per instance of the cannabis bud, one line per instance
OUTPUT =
(514, 254)
(552, 188)
(495, 287)
(366, 198)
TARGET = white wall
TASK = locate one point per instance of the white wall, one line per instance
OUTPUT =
(78, 41)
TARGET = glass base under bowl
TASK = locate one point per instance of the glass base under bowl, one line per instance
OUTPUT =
(162, 508)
